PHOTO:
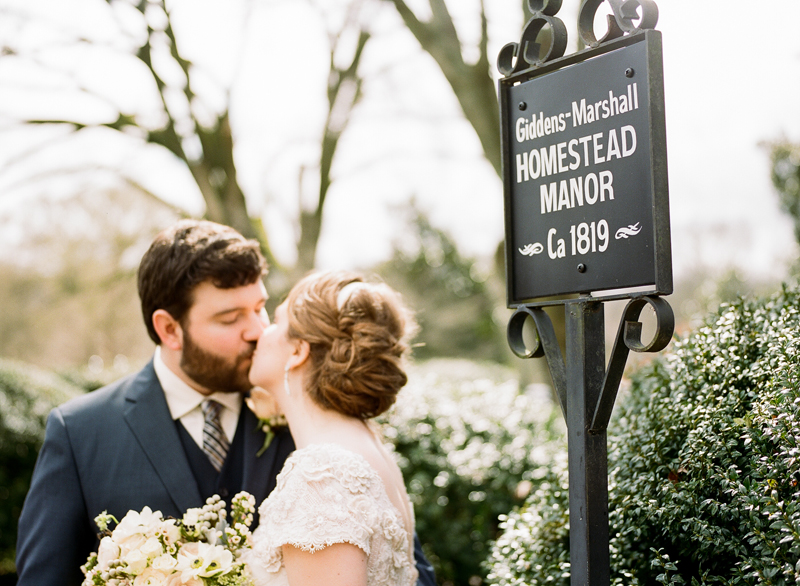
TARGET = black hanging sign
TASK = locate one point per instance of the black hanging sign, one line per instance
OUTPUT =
(585, 173)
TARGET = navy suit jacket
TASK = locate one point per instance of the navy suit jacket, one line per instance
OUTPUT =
(114, 450)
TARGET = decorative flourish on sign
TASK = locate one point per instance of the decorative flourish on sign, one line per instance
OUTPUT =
(527, 54)
(516, 57)
(531, 249)
(627, 232)
(622, 22)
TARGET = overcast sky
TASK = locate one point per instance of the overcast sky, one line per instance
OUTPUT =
(732, 81)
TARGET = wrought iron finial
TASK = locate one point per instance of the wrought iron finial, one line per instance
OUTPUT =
(527, 54)
(621, 22)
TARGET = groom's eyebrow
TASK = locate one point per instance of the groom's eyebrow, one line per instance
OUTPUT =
(238, 308)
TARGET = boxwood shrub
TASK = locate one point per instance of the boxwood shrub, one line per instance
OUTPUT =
(704, 465)
(471, 447)
(27, 394)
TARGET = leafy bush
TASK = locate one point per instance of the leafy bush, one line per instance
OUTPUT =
(27, 394)
(704, 465)
(471, 447)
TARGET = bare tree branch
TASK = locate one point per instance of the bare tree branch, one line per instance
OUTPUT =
(344, 93)
(472, 84)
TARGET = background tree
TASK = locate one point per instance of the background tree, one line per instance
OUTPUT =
(70, 284)
(453, 296)
(189, 112)
(472, 83)
(344, 91)
(785, 158)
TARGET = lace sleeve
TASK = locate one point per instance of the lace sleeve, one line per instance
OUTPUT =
(322, 497)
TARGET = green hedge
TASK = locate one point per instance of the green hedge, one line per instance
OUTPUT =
(704, 465)
(27, 394)
(471, 447)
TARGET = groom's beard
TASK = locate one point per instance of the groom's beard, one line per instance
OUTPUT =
(214, 372)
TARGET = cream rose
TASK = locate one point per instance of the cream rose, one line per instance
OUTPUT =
(107, 552)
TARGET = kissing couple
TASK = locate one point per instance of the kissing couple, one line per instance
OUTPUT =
(334, 509)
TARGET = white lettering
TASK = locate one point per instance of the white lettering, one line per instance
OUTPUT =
(606, 179)
(561, 157)
(577, 158)
(578, 113)
(628, 149)
(598, 146)
(613, 145)
(548, 160)
(522, 168)
(548, 198)
(576, 191)
(550, 252)
(521, 130)
(563, 195)
(591, 178)
(535, 171)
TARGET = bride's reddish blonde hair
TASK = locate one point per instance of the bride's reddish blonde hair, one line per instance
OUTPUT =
(358, 334)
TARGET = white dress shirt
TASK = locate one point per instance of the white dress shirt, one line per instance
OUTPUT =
(185, 403)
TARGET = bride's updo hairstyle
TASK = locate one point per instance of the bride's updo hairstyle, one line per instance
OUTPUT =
(358, 336)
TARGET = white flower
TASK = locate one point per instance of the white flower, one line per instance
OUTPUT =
(135, 561)
(169, 530)
(164, 562)
(202, 560)
(144, 523)
(152, 577)
(150, 551)
(107, 552)
(152, 548)
(192, 516)
(213, 536)
(130, 543)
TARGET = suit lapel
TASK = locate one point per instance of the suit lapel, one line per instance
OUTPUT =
(260, 471)
(148, 416)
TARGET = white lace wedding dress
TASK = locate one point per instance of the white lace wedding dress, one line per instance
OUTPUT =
(326, 494)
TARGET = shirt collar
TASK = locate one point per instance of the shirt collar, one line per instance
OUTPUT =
(181, 398)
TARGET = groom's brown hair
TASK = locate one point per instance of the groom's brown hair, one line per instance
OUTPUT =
(187, 254)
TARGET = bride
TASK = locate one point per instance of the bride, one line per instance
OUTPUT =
(340, 513)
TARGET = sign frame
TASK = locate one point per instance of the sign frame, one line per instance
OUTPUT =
(658, 179)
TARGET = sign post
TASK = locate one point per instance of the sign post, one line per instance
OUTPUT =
(586, 211)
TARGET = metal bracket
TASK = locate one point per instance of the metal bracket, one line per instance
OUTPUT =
(629, 337)
(546, 345)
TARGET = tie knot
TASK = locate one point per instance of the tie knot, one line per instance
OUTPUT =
(211, 409)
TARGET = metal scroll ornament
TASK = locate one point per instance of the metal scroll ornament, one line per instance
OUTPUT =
(629, 17)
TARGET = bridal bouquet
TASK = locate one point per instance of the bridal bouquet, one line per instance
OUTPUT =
(201, 549)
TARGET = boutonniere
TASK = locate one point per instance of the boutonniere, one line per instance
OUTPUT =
(264, 407)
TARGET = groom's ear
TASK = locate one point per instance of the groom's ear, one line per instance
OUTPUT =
(168, 329)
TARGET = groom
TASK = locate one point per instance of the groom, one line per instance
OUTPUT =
(174, 433)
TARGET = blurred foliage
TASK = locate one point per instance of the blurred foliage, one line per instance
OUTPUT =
(454, 300)
(701, 291)
(27, 394)
(785, 158)
(704, 483)
(470, 446)
(69, 283)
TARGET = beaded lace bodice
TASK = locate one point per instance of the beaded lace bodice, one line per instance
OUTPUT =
(326, 494)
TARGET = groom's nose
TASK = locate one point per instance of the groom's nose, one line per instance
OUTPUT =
(255, 327)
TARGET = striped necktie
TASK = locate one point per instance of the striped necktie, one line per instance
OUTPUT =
(215, 442)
